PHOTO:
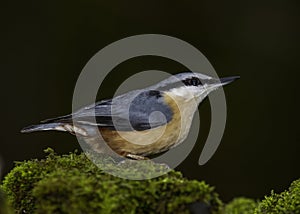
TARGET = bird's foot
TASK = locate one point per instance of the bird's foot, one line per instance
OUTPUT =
(136, 157)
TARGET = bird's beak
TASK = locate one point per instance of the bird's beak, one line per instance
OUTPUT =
(217, 83)
(227, 80)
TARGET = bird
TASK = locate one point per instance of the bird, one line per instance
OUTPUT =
(142, 122)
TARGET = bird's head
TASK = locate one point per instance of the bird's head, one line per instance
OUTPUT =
(192, 85)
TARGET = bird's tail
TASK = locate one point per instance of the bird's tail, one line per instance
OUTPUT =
(43, 127)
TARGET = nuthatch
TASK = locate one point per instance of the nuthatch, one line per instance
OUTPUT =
(156, 118)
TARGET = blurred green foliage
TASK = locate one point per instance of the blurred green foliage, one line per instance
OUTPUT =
(4, 208)
(282, 203)
(241, 205)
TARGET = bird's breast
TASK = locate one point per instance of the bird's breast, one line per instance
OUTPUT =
(154, 140)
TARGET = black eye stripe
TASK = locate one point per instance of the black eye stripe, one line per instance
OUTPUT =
(187, 82)
(192, 81)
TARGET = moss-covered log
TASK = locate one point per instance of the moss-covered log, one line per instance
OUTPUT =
(72, 184)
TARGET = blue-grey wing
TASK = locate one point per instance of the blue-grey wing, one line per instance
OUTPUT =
(136, 110)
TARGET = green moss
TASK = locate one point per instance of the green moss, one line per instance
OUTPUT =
(72, 184)
(240, 205)
(285, 202)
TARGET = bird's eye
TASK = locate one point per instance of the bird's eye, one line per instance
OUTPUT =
(193, 81)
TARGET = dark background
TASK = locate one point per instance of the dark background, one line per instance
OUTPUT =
(45, 44)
